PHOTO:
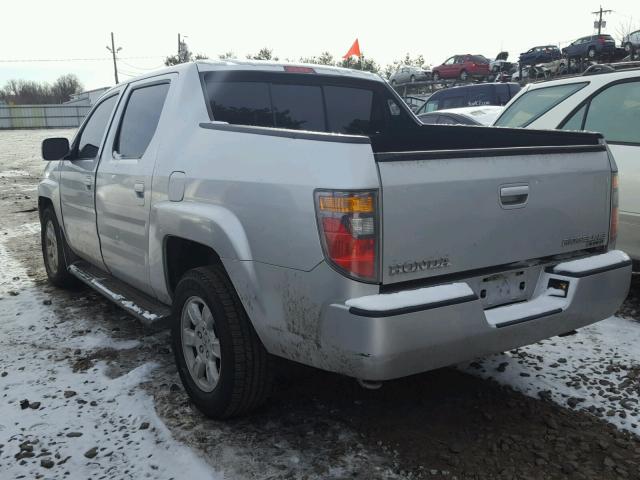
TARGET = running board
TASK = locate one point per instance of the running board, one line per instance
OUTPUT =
(149, 311)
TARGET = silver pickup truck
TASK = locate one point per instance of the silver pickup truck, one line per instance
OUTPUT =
(298, 211)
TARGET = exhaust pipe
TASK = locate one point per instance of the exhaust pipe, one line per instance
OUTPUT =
(368, 385)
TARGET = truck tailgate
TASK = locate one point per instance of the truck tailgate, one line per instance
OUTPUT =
(450, 211)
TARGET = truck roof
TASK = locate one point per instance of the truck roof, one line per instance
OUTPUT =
(257, 65)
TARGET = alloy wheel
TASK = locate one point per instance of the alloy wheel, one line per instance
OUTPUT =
(200, 343)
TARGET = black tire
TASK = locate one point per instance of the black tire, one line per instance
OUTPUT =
(435, 76)
(628, 47)
(591, 53)
(56, 267)
(393, 82)
(245, 367)
(464, 76)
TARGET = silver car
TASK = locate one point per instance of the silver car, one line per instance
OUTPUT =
(409, 74)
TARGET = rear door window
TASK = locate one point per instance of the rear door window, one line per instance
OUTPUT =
(615, 112)
(534, 103)
(140, 120)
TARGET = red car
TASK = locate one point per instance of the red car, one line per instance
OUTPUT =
(463, 67)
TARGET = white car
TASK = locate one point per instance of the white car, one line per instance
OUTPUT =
(484, 115)
(606, 101)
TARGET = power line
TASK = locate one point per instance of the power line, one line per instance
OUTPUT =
(96, 59)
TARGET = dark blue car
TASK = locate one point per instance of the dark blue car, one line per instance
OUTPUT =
(541, 54)
(591, 47)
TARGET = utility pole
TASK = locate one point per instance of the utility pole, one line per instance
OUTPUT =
(113, 51)
(599, 21)
(179, 48)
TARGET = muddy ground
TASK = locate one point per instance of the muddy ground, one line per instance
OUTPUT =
(444, 424)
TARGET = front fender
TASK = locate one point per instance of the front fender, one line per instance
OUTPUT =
(210, 225)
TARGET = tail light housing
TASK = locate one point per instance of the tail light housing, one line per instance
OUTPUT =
(348, 226)
(613, 226)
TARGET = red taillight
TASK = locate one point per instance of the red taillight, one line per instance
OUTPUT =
(348, 232)
(296, 69)
(613, 226)
(601, 39)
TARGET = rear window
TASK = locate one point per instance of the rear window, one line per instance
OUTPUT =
(534, 103)
(281, 101)
(479, 59)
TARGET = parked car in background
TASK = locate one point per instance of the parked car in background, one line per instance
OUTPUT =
(631, 43)
(531, 72)
(463, 67)
(470, 96)
(499, 63)
(541, 54)
(591, 47)
(462, 116)
(607, 100)
(409, 73)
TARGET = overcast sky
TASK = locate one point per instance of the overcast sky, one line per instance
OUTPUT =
(70, 29)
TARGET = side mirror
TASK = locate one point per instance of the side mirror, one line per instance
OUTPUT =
(55, 148)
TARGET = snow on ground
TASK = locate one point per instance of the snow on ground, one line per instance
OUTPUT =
(57, 422)
(597, 370)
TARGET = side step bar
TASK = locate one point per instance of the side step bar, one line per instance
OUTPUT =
(146, 309)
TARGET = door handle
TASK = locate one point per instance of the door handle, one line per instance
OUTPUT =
(138, 187)
(88, 182)
(515, 195)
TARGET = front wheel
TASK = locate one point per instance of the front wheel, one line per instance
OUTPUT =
(464, 75)
(53, 251)
(223, 366)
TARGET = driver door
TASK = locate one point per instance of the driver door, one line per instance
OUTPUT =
(77, 182)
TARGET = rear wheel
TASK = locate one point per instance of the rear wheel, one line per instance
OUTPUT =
(53, 250)
(223, 366)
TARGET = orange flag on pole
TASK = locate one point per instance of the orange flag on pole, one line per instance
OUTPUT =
(354, 50)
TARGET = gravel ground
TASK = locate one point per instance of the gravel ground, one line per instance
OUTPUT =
(86, 391)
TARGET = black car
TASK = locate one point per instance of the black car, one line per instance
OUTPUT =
(470, 96)
(591, 47)
(541, 54)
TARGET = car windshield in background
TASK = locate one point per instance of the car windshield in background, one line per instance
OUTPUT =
(479, 59)
(534, 103)
(300, 103)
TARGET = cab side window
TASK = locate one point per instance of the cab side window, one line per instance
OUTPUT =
(140, 120)
(88, 144)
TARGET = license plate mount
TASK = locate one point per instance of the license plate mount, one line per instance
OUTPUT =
(503, 288)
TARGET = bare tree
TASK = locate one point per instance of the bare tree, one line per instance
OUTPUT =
(64, 87)
(25, 92)
(264, 54)
(625, 28)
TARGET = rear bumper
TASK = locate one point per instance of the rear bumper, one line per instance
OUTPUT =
(386, 344)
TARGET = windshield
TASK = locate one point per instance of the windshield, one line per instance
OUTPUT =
(534, 103)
